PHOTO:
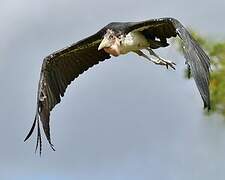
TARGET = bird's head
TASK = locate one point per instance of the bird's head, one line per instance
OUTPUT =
(108, 40)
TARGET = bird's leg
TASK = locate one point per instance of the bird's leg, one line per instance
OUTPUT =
(160, 60)
(140, 53)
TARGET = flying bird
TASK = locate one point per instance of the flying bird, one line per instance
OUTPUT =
(60, 68)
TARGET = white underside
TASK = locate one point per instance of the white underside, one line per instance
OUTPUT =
(132, 42)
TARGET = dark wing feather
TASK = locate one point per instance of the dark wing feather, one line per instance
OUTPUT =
(157, 30)
(58, 70)
(196, 59)
(198, 62)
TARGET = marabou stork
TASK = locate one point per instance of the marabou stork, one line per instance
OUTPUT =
(116, 38)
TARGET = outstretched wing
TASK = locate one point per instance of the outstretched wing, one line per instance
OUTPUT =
(58, 70)
(196, 59)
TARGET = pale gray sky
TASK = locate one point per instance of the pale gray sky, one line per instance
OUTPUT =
(123, 119)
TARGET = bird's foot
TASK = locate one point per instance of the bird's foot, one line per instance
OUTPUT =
(164, 62)
(161, 61)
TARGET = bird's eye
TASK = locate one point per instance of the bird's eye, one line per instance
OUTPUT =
(110, 36)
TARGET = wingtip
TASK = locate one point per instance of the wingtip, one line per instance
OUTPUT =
(26, 139)
(52, 146)
(207, 106)
(32, 129)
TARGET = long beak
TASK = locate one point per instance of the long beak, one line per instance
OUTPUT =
(105, 43)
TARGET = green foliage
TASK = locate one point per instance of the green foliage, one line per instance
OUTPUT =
(216, 51)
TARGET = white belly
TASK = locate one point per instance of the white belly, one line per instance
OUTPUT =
(132, 42)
